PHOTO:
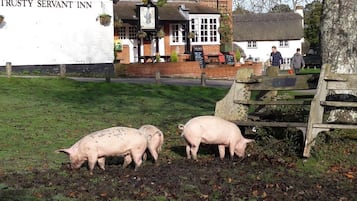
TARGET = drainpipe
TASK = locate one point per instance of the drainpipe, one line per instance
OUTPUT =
(139, 50)
(188, 41)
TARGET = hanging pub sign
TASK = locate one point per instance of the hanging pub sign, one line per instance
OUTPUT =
(148, 16)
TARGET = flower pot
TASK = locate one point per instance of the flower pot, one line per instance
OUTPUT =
(105, 19)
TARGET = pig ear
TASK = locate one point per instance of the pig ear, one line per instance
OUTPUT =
(248, 140)
(66, 151)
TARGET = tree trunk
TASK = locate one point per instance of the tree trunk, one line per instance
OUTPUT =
(339, 48)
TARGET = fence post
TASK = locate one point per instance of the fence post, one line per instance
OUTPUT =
(203, 79)
(63, 70)
(107, 70)
(8, 69)
(157, 77)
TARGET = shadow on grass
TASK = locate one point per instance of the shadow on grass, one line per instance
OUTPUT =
(205, 150)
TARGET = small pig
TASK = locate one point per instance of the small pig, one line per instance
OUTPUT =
(213, 130)
(115, 141)
(155, 139)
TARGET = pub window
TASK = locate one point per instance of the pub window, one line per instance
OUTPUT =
(205, 29)
(122, 32)
(178, 33)
(132, 32)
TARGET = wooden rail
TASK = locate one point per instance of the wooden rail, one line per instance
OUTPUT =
(238, 100)
(328, 81)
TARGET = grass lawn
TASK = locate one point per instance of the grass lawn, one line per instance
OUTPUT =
(41, 115)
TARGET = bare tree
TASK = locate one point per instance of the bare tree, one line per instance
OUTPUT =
(260, 6)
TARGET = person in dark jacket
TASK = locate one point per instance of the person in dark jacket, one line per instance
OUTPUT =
(275, 57)
(297, 61)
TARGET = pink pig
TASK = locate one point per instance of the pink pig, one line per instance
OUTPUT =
(155, 139)
(115, 141)
(213, 130)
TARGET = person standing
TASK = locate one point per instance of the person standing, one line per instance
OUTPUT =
(297, 61)
(275, 57)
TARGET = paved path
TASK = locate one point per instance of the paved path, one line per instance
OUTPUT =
(168, 81)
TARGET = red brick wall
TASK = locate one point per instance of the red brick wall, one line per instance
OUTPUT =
(188, 69)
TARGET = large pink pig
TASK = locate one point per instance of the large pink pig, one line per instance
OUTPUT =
(213, 130)
(155, 139)
(115, 141)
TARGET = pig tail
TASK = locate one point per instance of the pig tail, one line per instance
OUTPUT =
(181, 126)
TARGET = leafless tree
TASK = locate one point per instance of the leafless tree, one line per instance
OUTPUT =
(260, 6)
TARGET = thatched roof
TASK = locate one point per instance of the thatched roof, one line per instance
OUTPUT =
(125, 10)
(267, 26)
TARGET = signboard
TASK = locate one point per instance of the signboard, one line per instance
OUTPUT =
(148, 16)
(284, 82)
(229, 59)
(197, 55)
(39, 32)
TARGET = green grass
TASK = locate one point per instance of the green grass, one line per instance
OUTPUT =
(310, 71)
(41, 115)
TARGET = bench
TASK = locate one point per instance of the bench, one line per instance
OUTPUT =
(214, 58)
(152, 59)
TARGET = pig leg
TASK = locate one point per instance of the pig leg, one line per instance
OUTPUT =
(145, 156)
(188, 151)
(101, 163)
(221, 149)
(194, 150)
(127, 160)
(92, 160)
(137, 157)
(153, 153)
(231, 151)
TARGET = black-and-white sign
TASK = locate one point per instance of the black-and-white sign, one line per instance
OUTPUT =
(229, 59)
(197, 55)
(148, 16)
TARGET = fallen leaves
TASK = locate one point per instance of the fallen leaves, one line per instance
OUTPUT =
(350, 173)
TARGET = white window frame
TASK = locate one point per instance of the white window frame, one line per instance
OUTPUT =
(252, 44)
(177, 34)
(283, 43)
(122, 32)
(205, 28)
(127, 32)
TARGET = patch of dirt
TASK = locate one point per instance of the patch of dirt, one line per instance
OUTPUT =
(257, 177)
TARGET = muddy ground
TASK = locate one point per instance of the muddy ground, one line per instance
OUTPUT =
(256, 177)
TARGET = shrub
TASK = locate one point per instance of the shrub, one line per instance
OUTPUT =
(174, 57)
(238, 55)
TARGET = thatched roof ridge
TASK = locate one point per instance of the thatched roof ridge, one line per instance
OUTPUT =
(267, 26)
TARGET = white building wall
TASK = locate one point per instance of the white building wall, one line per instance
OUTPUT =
(55, 32)
(262, 52)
